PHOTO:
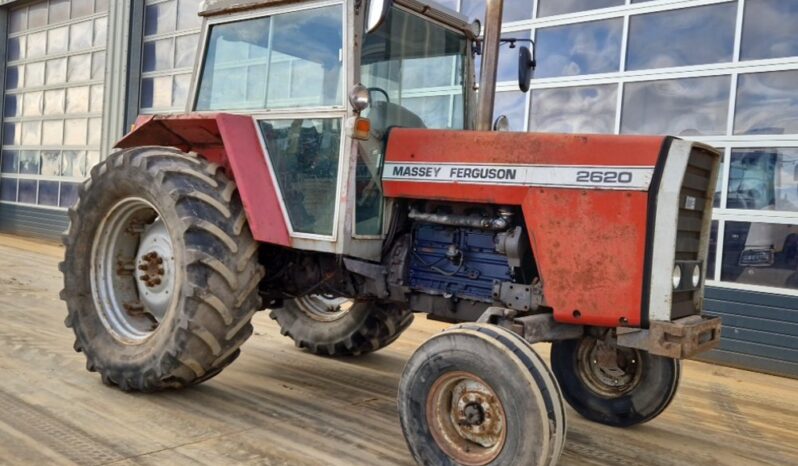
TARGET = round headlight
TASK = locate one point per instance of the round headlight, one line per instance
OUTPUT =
(359, 97)
(677, 277)
(696, 276)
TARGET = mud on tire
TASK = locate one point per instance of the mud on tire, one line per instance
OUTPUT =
(364, 328)
(216, 272)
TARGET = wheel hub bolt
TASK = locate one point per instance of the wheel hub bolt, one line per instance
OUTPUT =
(474, 414)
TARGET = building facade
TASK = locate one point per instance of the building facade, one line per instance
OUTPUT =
(78, 72)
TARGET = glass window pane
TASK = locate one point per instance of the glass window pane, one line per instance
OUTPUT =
(69, 194)
(80, 36)
(56, 72)
(18, 20)
(54, 102)
(12, 134)
(513, 105)
(719, 186)
(100, 31)
(13, 73)
(763, 179)
(77, 100)
(79, 68)
(588, 109)
(95, 131)
(37, 44)
(507, 68)
(435, 111)
(29, 162)
(73, 163)
(368, 192)
(59, 11)
(159, 18)
(96, 100)
(32, 104)
(162, 92)
(32, 133)
(57, 40)
(97, 65)
(157, 55)
(767, 103)
(10, 161)
(764, 254)
(669, 38)
(559, 7)
(100, 5)
(27, 191)
(48, 193)
(51, 163)
(147, 90)
(52, 132)
(187, 14)
(12, 106)
(713, 251)
(307, 171)
(682, 107)
(186, 50)
(8, 189)
(34, 74)
(769, 29)
(82, 8)
(583, 48)
(15, 48)
(180, 90)
(37, 15)
(76, 132)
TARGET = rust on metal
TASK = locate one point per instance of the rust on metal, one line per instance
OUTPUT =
(679, 339)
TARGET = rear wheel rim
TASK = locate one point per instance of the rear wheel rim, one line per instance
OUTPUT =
(324, 308)
(133, 272)
(466, 418)
(608, 370)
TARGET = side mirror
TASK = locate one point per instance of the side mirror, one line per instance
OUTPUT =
(376, 12)
(526, 66)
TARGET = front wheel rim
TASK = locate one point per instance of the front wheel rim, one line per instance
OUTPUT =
(466, 418)
(133, 270)
(609, 371)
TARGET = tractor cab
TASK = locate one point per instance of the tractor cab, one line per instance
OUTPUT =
(324, 88)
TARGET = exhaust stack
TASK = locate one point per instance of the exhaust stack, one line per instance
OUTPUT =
(490, 63)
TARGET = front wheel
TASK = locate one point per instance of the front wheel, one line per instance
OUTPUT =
(161, 273)
(479, 395)
(619, 387)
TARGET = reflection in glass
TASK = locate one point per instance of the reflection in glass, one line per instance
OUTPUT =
(304, 154)
(69, 194)
(10, 161)
(235, 76)
(682, 107)
(588, 109)
(29, 162)
(669, 38)
(769, 29)
(368, 191)
(514, 10)
(767, 103)
(8, 189)
(559, 7)
(48, 193)
(583, 48)
(763, 179)
(27, 191)
(764, 254)
(513, 105)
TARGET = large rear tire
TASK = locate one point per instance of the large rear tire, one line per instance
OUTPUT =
(619, 387)
(161, 272)
(480, 395)
(340, 327)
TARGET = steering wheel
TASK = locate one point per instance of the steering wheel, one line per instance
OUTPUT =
(381, 91)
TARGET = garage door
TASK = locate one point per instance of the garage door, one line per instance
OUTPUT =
(52, 110)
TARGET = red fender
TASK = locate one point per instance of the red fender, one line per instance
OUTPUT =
(233, 142)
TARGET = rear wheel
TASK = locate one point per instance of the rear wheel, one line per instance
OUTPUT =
(335, 326)
(479, 395)
(161, 273)
(616, 386)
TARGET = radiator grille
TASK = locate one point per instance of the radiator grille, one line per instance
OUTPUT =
(695, 193)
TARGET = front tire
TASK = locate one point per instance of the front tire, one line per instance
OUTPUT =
(479, 395)
(619, 387)
(161, 273)
(340, 327)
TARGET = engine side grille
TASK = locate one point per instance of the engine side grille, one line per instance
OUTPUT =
(693, 202)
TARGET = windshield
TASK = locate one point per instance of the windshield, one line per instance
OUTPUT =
(415, 70)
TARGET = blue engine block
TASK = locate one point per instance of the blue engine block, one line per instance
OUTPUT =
(456, 261)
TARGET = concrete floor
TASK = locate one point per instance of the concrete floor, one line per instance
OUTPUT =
(278, 405)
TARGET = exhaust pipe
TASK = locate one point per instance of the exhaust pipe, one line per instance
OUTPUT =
(490, 63)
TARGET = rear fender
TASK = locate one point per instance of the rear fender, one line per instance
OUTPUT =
(233, 142)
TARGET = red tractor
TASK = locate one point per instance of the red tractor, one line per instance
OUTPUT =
(344, 216)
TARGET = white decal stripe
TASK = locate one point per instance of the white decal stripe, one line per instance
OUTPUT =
(560, 176)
